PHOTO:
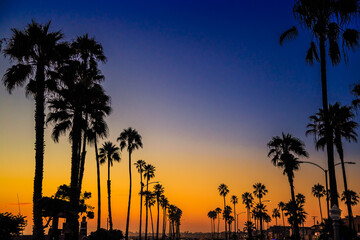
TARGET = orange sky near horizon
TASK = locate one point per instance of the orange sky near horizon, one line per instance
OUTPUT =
(188, 165)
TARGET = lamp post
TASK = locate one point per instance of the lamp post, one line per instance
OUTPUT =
(237, 221)
(335, 214)
(326, 180)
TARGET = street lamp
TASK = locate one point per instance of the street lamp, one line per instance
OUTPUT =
(237, 220)
(326, 180)
(335, 214)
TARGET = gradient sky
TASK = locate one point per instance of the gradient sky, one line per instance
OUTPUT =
(205, 83)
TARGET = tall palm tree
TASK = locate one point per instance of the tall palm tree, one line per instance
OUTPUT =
(224, 190)
(342, 126)
(35, 51)
(98, 129)
(276, 214)
(260, 191)
(218, 211)
(140, 165)
(149, 173)
(158, 191)
(89, 52)
(150, 201)
(318, 191)
(109, 153)
(327, 21)
(234, 200)
(131, 139)
(164, 202)
(211, 216)
(247, 200)
(283, 151)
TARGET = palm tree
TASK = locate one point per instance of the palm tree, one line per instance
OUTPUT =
(342, 126)
(227, 216)
(35, 50)
(218, 211)
(150, 201)
(149, 173)
(140, 166)
(234, 200)
(247, 200)
(164, 204)
(131, 139)
(212, 215)
(318, 191)
(327, 22)
(295, 210)
(224, 190)
(350, 197)
(260, 191)
(110, 153)
(283, 151)
(249, 228)
(89, 52)
(276, 214)
(158, 191)
(98, 129)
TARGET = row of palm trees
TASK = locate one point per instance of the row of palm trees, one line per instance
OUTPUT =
(65, 77)
(256, 211)
(329, 23)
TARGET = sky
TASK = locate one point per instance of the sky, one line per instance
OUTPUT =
(206, 84)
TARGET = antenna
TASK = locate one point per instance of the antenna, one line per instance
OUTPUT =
(18, 203)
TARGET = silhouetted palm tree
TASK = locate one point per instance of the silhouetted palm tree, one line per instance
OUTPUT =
(224, 190)
(131, 139)
(140, 165)
(110, 153)
(234, 200)
(260, 191)
(350, 197)
(35, 50)
(276, 214)
(158, 191)
(318, 191)
(295, 210)
(283, 151)
(327, 21)
(149, 173)
(227, 216)
(342, 126)
(150, 201)
(98, 129)
(218, 211)
(212, 215)
(249, 228)
(247, 200)
(164, 204)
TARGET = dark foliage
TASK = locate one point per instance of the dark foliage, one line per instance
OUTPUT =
(11, 225)
(103, 234)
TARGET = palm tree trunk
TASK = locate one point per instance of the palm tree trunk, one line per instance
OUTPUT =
(218, 228)
(109, 196)
(164, 223)
(235, 218)
(225, 220)
(296, 225)
(328, 130)
(129, 202)
(320, 210)
(83, 154)
(157, 220)
(72, 219)
(38, 231)
(341, 155)
(141, 199)
(152, 224)
(146, 209)
(98, 184)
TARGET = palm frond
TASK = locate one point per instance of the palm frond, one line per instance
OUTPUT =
(289, 35)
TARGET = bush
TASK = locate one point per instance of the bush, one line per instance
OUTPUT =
(103, 234)
(11, 225)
